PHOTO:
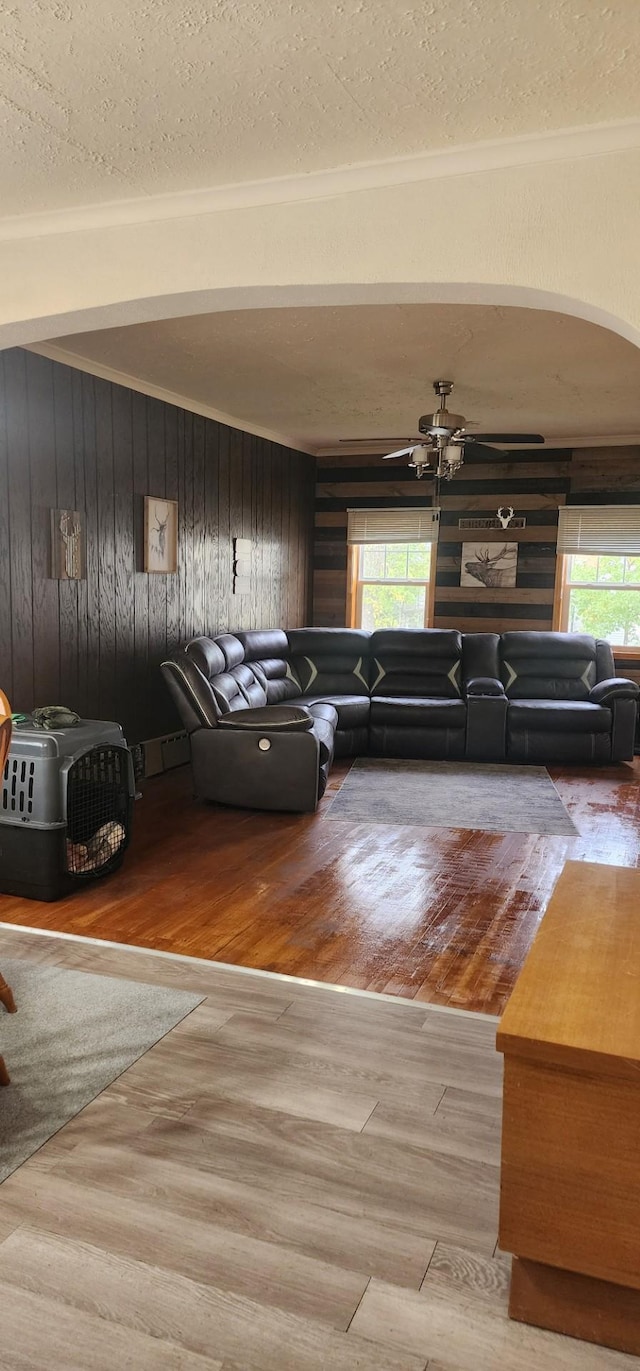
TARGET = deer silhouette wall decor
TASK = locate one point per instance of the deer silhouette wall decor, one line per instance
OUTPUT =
(505, 515)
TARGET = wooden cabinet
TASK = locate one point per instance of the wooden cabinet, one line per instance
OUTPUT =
(570, 1183)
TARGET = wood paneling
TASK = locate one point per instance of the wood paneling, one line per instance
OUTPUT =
(494, 623)
(534, 483)
(615, 470)
(533, 533)
(483, 596)
(69, 440)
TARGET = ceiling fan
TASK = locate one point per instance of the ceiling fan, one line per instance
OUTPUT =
(441, 451)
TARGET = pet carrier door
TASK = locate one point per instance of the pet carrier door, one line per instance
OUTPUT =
(98, 811)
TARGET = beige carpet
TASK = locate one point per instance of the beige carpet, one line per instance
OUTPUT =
(74, 1033)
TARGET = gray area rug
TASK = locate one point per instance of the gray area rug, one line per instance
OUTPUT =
(497, 799)
(73, 1034)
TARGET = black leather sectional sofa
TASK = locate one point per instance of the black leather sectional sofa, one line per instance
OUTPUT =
(268, 710)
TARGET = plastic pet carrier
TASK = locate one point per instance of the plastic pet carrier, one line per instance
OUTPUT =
(66, 803)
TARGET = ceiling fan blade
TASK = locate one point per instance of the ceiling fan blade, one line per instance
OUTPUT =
(469, 446)
(519, 438)
(402, 452)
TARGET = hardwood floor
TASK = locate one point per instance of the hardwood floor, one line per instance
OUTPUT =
(439, 915)
(294, 1178)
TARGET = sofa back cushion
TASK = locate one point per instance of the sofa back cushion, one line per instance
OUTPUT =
(266, 652)
(233, 684)
(334, 661)
(548, 666)
(255, 695)
(208, 657)
(417, 663)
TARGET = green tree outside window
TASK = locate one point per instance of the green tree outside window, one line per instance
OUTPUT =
(604, 598)
(393, 580)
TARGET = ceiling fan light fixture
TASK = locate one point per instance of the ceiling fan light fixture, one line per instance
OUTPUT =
(421, 458)
(451, 459)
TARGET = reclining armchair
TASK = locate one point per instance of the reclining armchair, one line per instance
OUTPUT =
(246, 751)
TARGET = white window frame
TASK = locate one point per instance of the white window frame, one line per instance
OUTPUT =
(566, 585)
(357, 582)
(594, 531)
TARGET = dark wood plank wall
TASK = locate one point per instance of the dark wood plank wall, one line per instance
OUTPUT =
(70, 440)
(602, 476)
(535, 483)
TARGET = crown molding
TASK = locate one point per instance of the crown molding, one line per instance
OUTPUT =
(589, 140)
(355, 449)
(170, 397)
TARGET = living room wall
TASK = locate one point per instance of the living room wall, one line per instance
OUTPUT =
(535, 483)
(69, 440)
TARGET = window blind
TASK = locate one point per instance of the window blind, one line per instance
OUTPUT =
(393, 525)
(610, 530)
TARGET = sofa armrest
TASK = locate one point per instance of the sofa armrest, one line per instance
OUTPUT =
(615, 688)
(485, 686)
(269, 718)
(283, 721)
(487, 707)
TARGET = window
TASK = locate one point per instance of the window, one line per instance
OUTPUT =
(391, 557)
(602, 597)
(391, 585)
(599, 573)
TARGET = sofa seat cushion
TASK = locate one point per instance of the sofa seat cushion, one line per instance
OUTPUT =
(421, 712)
(352, 710)
(558, 716)
(320, 709)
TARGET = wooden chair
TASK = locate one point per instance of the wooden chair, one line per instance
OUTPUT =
(6, 996)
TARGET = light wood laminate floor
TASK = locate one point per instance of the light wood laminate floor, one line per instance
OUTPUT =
(293, 1179)
(441, 915)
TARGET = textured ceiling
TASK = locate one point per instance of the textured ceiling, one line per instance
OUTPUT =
(137, 97)
(322, 374)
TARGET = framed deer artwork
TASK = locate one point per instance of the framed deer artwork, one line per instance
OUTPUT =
(67, 544)
(492, 565)
(160, 534)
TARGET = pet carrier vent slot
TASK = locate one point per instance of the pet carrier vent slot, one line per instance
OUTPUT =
(17, 789)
